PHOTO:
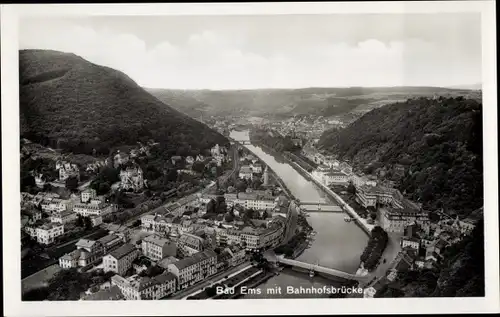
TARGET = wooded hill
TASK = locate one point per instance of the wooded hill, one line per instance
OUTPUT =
(69, 103)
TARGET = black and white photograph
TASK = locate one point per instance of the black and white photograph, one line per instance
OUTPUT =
(333, 153)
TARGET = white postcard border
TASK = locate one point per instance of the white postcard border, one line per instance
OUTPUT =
(11, 181)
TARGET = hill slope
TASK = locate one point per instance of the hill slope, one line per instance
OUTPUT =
(438, 141)
(181, 100)
(70, 103)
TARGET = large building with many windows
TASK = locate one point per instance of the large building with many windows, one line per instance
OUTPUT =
(52, 205)
(47, 233)
(120, 260)
(145, 288)
(191, 243)
(94, 207)
(396, 219)
(194, 269)
(370, 196)
(63, 217)
(157, 248)
(256, 200)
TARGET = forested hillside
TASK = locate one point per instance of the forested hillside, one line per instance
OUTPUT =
(69, 103)
(438, 142)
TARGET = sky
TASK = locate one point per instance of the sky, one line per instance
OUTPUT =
(272, 51)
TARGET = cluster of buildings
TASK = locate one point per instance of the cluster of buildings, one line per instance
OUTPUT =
(67, 170)
(395, 211)
(219, 154)
(309, 127)
(197, 234)
(60, 212)
(422, 246)
(248, 172)
(88, 251)
(185, 259)
(254, 199)
(132, 178)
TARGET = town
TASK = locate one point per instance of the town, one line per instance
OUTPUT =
(216, 232)
(166, 250)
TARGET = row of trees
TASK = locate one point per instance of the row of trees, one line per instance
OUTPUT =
(376, 246)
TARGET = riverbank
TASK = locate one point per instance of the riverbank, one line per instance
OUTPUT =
(359, 220)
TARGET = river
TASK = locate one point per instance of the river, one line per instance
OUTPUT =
(338, 244)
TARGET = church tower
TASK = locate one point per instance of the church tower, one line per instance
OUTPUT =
(266, 177)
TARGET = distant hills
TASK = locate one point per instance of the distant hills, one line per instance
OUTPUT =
(438, 142)
(329, 102)
(69, 103)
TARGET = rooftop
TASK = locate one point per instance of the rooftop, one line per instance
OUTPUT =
(122, 251)
(112, 293)
(85, 243)
(197, 257)
(107, 239)
(156, 240)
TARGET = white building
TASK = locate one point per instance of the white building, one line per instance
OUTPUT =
(335, 177)
(256, 168)
(397, 219)
(67, 170)
(55, 205)
(87, 195)
(132, 178)
(194, 269)
(145, 288)
(245, 172)
(96, 207)
(63, 217)
(157, 248)
(120, 260)
(46, 233)
(191, 243)
(254, 200)
(411, 242)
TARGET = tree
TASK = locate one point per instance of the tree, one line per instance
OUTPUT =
(211, 291)
(241, 185)
(87, 223)
(198, 167)
(265, 214)
(79, 221)
(137, 223)
(351, 189)
(229, 217)
(72, 183)
(256, 183)
(211, 206)
(103, 188)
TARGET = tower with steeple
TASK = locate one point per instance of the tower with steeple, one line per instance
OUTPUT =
(266, 177)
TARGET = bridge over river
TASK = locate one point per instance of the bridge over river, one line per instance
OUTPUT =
(321, 207)
(326, 271)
